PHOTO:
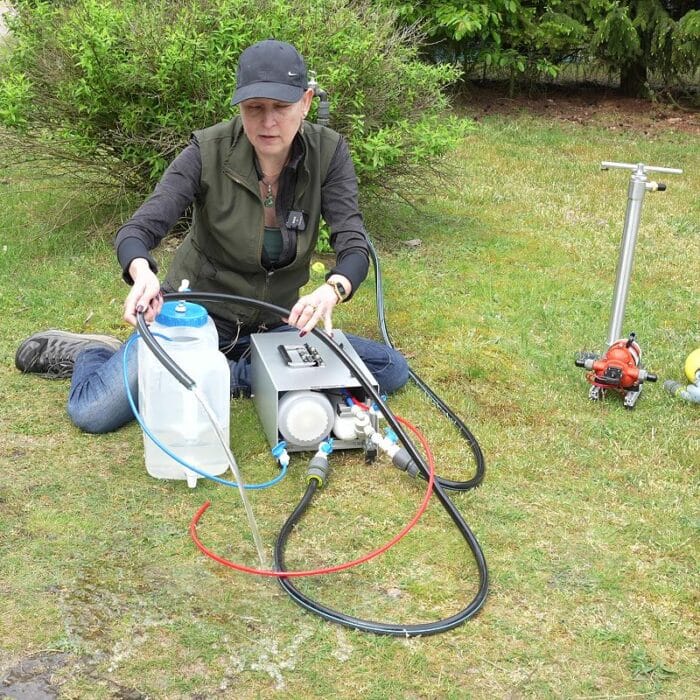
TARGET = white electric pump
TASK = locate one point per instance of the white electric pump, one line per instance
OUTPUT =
(172, 413)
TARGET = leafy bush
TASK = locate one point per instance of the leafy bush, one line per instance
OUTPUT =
(118, 85)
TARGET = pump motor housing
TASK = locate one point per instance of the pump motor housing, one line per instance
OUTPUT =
(299, 390)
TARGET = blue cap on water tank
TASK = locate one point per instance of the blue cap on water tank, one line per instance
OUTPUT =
(182, 313)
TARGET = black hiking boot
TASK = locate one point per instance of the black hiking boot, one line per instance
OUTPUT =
(52, 354)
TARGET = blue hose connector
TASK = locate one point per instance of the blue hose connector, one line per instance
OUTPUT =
(279, 452)
(318, 465)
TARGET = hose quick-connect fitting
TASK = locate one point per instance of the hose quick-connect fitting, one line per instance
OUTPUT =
(403, 461)
(689, 393)
(318, 465)
(399, 455)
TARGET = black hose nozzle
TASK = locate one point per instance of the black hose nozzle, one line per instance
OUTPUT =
(403, 461)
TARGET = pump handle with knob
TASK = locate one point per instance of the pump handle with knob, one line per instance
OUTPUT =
(639, 167)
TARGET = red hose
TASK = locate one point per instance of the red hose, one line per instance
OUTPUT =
(339, 567)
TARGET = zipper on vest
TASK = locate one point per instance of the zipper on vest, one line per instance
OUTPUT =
(268, 275)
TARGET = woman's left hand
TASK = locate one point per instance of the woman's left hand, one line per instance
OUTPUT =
(314, 307)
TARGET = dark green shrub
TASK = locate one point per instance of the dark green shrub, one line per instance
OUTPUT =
(642, 38)
(118, 85)
(639, 40)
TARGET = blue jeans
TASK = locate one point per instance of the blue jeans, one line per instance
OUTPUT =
(97, 402)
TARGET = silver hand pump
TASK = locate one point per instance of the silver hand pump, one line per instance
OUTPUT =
(639, 185)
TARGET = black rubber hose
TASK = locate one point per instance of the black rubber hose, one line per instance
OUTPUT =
(366, 625)
(161, 355)
(387, 628)
(451, 415)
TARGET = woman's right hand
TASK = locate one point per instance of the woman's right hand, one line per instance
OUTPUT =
(145, 293)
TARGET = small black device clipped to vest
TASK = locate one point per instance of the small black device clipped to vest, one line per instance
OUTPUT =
(295, 221)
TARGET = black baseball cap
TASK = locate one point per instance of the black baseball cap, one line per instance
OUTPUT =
(271, 69)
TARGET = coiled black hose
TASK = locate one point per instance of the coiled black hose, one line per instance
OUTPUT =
(441, 484)
(451, 415)
(387, 628)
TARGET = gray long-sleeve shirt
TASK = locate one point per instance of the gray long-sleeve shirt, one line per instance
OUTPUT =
(180, 187)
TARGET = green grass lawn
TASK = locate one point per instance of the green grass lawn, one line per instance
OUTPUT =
(588, 514)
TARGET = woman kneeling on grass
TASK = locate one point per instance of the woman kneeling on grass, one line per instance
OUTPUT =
(258, 184)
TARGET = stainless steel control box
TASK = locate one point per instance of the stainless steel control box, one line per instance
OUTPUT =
(282, 362)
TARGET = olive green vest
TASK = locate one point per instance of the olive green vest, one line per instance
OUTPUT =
(222, 251)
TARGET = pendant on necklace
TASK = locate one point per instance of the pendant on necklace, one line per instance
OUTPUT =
(269, 201)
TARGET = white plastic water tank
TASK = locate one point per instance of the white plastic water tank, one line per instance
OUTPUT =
(172, 413)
